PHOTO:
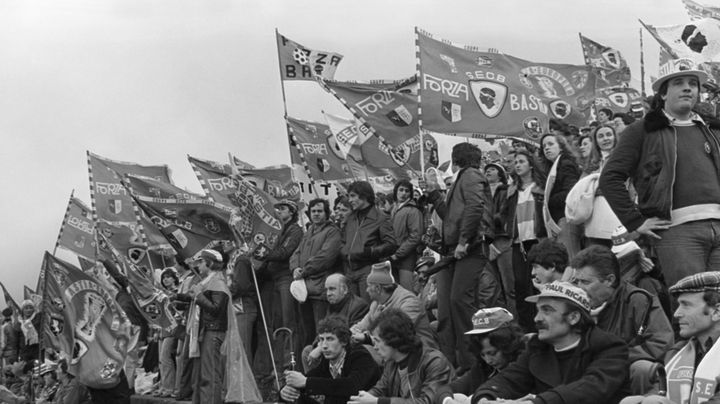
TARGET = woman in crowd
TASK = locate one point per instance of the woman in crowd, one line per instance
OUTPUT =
(563, 173)
(600, 226)
(589, 158)
(168, 340)
(526, 227)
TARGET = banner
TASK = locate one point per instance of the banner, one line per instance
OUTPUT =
(189, 225)
(130, 259)
(9, 301)
(219, 183)
(76, 232)
(463, 90)
(325, 158)
(698, 41)
(85, 322)
(611, 68)
(374, 152)
(618, 99)
(300, 63)
(150, 187)
(111, 201)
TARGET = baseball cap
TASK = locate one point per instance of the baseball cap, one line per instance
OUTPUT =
(490, 319)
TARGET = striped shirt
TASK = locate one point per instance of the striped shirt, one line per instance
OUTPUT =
(525, 214)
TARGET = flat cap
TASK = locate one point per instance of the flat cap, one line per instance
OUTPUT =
(699, 282)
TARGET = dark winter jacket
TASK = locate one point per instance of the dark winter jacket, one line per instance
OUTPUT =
(277, 262)
(318, 251)
(352, 308)
(466, 211)
(647, 154)
(368, 238)
(360, 372)
(568, 174)
(407, 223)
(501, 220)
(624, 315)
(213, 309)
(427, 370)
(599, 375)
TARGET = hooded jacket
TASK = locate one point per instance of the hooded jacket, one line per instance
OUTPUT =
(647, 154)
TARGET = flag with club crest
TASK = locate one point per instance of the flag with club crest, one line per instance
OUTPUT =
(85, 322)
(9, 301)
(76, 232)
(98, 272)
(698, 41)
(464, 90)
(390, 108)
(375, 152)
(110, 200)
(253, 221)
(219, 182)
(618, 99)
(298, 62)
(190, 225)
(698, 10)
(327, 160)
(130, 259)
(611, 68)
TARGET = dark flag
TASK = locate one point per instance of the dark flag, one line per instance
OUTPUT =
(85, 322)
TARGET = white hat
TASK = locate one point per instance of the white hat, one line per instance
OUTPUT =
(563, 290)
(680, 67)
(298, 290)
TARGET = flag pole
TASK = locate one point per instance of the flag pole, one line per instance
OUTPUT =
(285, 116)
(642, 65)
(62, 225)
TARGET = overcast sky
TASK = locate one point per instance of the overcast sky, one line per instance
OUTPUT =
(151, 81)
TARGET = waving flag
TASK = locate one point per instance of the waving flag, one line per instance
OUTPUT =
(463, 90)
(326, 159)
(111, 201)
(300, 63)
(698, 41)
(618, 99)
(611, 68)
(190, 225)
(9, 301)
(76, 232)
(83, 320)
(152, 302)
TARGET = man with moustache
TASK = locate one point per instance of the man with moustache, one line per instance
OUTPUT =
(568, 361)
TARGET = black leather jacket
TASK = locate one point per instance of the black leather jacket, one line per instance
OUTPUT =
(213, 309)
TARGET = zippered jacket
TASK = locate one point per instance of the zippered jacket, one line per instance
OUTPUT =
(647, 154)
